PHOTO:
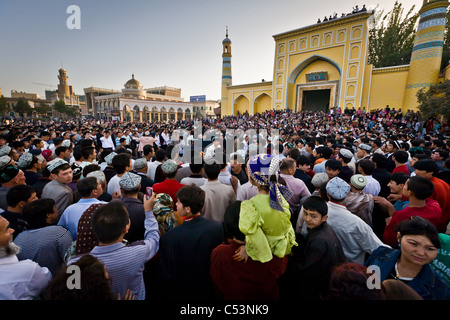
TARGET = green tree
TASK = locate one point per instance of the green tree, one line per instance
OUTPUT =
(42, 109)
(22, 106)
(4, 106)
(391, 37)
(435, 101)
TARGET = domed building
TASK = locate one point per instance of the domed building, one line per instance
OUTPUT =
(134, 103)
(133, 89)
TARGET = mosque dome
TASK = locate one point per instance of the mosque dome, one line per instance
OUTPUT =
(133, 83)
(226, 40)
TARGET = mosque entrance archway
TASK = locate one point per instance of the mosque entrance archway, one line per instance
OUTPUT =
(316, 100)
(318, 96)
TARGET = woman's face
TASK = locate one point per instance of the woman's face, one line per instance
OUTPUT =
(418, 249)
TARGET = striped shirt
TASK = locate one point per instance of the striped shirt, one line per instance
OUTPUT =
(125, 263)
(45, 246)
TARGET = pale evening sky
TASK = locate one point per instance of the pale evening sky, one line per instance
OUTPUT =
(176, 43)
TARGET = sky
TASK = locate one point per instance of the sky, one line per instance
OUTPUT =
(175, 43)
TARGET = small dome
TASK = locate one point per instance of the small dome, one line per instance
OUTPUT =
(226, 40)
(132, 83)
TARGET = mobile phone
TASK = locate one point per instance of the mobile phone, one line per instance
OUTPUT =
(149, 192)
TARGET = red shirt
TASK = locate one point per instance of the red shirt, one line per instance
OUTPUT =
(170, 187)
(432, 211)
(442, 195)
(251, 280)
(403, 168)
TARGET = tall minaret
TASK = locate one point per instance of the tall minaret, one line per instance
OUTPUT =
(426, 55)
(226, 69)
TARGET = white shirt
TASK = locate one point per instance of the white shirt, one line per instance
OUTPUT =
(373, 186)
(151, 169)
(357, 237)
(22, 280)
(107, 142)
(113, 185)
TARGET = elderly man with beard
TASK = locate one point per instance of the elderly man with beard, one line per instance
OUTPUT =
(19, 280)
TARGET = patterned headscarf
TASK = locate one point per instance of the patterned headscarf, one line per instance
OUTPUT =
(163, 211)
(264, 170)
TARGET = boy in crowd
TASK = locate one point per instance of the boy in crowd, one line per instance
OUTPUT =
(178, 273)
(310, 266)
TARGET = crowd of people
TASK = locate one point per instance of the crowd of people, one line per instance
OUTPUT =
(219, 209)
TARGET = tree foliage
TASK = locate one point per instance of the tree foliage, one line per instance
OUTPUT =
(4, 107)
(61, 107)
(391, 37)
(42, 109)
(22, 106)
(435, 101)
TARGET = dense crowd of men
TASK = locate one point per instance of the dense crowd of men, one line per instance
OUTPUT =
(124, 197)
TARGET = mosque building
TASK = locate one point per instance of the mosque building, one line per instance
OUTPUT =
(325, 65)
(134, 103)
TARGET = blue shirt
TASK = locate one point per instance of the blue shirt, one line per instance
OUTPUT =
(125, 263)
(70, 217)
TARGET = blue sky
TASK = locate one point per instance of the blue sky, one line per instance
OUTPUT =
(169, 42)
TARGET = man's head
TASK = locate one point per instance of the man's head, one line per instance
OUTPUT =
(89, 154)
(11, 176)
(190, 200)
(287, 166)
(439, 155)
(141, 165)
(60, 171)
(130, 183)
(122, 163)
(366, 167)
(18, 196)
(418, 187)
(426, 168)
(110, 222)
(212, 170)
(236, 163)
(315, 211)
(400, 156)
(148, 151)
(63, 152)
(89, 188)
(303, 163)
(333, 167)
(397, 182)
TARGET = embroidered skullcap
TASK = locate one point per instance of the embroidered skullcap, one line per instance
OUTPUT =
(66, 143)
(358, 181)
(47, 154)
(8, 172)
(25, 160)
(77, 171)
(99, 175)
(140, 163)
(110, 157)
(345, 153)
(52, 165)
(338, 188)
(169, 166)
(5, 150)
(319, 179)
(130, 181)
(4, 161)
(264, 170)
(365, 147)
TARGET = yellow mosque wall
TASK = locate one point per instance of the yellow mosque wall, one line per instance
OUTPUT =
(338, 48)
(387, 87)
(253, 98)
